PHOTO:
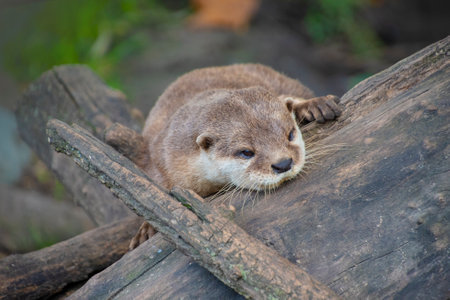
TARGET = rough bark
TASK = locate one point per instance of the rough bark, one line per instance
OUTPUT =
(74, 94)
(369, 219)
(44, 272)
(199, 230)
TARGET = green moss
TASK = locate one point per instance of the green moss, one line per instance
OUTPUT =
(243, 272)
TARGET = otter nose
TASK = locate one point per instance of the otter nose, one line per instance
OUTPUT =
(282, 166)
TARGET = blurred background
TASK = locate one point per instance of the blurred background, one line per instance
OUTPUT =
(141, 46)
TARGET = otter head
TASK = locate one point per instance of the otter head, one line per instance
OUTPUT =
(251, 140)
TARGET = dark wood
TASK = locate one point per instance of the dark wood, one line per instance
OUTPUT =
(44, 272)
(126, 270)
(74, 94)
(369, 219)
(200, 231)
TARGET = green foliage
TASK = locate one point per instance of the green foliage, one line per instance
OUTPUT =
(100, 33)
(326, 19)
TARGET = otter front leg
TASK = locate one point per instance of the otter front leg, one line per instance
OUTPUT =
(320, 109)
(145, 232)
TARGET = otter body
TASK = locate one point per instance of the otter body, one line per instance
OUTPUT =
(220, 127)
(230, 125)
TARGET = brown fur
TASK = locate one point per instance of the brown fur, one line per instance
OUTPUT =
(200, 125)
(173, 124)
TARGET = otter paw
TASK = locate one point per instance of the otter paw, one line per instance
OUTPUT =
(145, 232)
(319, 109)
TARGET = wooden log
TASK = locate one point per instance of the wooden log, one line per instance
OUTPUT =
(44, 272)
(200, 231)
(74, 93)
(371, 219)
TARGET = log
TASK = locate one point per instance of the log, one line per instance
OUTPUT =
(200, 231)
(74, 93)
(44, 272)
(370, 219)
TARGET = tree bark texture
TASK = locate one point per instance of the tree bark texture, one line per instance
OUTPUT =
(44, 272)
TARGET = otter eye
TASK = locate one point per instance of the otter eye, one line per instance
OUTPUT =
(247, 154)
(291, 135)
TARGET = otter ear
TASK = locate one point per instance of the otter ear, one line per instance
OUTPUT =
(292, 102)
(289, 103)
(205, 141)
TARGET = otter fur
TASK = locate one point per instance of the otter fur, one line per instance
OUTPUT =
(233, 125)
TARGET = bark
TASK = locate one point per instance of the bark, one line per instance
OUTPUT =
(199, 230)
(44, 272)
(74, 94)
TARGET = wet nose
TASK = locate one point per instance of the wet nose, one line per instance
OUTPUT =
(282, 166)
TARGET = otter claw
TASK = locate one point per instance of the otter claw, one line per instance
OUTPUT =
(145, 232)
(319, 109)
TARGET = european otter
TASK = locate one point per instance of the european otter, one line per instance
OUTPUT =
(236, 124)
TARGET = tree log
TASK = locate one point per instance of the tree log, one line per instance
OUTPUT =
(371, 219)
(200, 231)
(44, 272)
(75, 94)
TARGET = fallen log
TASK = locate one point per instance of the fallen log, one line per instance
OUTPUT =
(45, 272)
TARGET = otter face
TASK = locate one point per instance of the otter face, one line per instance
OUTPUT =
(255, 145)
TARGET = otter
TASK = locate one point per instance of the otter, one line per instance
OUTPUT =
(232, 125)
